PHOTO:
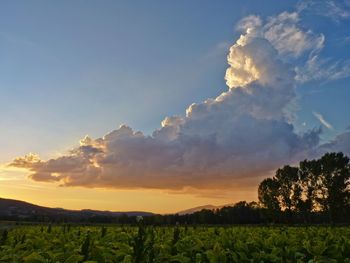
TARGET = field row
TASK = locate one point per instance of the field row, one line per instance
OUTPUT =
(35, 244)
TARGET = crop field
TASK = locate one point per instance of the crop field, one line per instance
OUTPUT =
(71, 244)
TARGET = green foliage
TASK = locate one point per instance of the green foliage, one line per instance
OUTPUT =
(176, 244)
(103, 232)
(85, 248)
(3, 236)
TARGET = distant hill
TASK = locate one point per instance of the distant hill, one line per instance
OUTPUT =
(17, 210)
(10, 208)
(200, 208)
(197, 209)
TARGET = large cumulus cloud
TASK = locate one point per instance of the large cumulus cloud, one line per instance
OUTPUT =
(224, 142)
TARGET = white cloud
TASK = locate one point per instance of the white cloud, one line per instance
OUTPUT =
(284, 33)
(249, 23)
(227, 142)
(322, 120)
(289, 38)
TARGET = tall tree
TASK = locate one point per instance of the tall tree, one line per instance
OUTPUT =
(268, 194)
(308, 175)
(335, 184)
(288, 187)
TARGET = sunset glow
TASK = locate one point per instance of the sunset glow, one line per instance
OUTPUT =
(177, 116)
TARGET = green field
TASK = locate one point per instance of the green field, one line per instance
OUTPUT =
(175, 244)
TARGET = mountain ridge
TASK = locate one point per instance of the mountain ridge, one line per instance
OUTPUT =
(23, 209)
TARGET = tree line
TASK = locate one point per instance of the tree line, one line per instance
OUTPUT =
(314, 187)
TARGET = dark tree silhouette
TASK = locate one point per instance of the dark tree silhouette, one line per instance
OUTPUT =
(317, 186)
(334, 185)
(308, 174)
(289, 192)
(268, 197)
(268, 194)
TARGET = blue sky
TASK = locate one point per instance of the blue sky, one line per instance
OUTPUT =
(71, 68)
(75, 68)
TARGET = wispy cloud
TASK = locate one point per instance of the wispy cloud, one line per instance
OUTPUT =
(337, 10)
(317, 67)
(322, 120)
(8, 173)
(323, 69)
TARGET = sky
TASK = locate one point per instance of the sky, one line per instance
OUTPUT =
(159, 106)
